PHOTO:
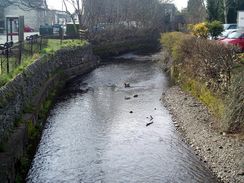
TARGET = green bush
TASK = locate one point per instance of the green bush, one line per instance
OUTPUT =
(204, 29)
(215, 28)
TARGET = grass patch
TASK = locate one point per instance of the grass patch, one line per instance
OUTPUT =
(199, 90)
(52, 46)
(5, 78)
(55, 44)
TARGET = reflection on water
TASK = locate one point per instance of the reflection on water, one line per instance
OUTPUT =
(91, 136)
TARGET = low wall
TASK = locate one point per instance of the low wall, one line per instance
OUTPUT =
(21, 99)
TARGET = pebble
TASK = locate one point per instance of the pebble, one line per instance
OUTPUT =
(240, 173)
(220, 151)
(198, 148)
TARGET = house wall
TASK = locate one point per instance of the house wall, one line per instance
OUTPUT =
(1, 20)
(33, 18)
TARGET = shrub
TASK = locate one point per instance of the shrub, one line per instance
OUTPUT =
(215, 28)
(170, 40)
(234, 116)
(200, 30)
(190, 27)
(206, 68)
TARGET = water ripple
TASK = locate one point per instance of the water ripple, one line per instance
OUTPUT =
(93, 138)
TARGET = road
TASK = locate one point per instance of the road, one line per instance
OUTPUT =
(3, 38)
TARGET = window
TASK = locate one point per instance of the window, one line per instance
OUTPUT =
(233, 27)
(1, 23)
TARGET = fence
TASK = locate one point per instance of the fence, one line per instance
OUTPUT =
(13, 54)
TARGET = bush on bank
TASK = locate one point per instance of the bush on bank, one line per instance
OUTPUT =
(206, 29)
(211, 71)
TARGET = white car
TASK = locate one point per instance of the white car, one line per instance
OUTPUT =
(229, 26)
(225, 33)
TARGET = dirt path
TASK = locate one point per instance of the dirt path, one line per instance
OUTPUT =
(221, 152)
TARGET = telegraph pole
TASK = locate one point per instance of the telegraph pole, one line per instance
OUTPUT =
(225, 11)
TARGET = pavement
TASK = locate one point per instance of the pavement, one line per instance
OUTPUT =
(3, 37)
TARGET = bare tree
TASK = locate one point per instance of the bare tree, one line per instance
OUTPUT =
(25, 4)
(117, 17)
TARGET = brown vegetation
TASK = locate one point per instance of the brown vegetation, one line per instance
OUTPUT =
(212, 72)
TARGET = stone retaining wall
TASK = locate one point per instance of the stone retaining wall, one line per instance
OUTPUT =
(20, 92)
(22, 99)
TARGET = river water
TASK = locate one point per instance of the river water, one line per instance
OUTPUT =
(101, 135)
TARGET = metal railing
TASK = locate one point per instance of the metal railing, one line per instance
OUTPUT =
(13, 54)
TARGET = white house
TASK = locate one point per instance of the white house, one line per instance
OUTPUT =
(33, 17)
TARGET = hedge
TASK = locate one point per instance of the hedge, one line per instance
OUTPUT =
(210, 71)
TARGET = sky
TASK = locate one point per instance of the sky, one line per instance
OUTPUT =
(57, 4)
(180, 4)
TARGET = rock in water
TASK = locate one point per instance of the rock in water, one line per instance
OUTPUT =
(148, 124)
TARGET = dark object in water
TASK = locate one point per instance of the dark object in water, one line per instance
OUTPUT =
(131, 112)
(135, 96)
(77, 90)
(127, 85)
(151, 118)
(127, 98)
(148, 124)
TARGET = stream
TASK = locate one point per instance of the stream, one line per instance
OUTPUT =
(100, 131)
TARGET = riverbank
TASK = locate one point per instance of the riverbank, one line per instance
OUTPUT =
(222, 153)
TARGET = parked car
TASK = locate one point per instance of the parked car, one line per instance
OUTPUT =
(230, 26)
(28, 29)
(46, 30)
(226, 33)
(56, 29)
(235, 38)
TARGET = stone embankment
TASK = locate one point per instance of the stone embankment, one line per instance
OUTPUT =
(222, 153)
(21, 99)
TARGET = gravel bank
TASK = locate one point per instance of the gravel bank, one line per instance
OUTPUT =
(222, 153)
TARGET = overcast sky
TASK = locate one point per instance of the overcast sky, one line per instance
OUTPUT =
(181, 4)
(57, 4)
